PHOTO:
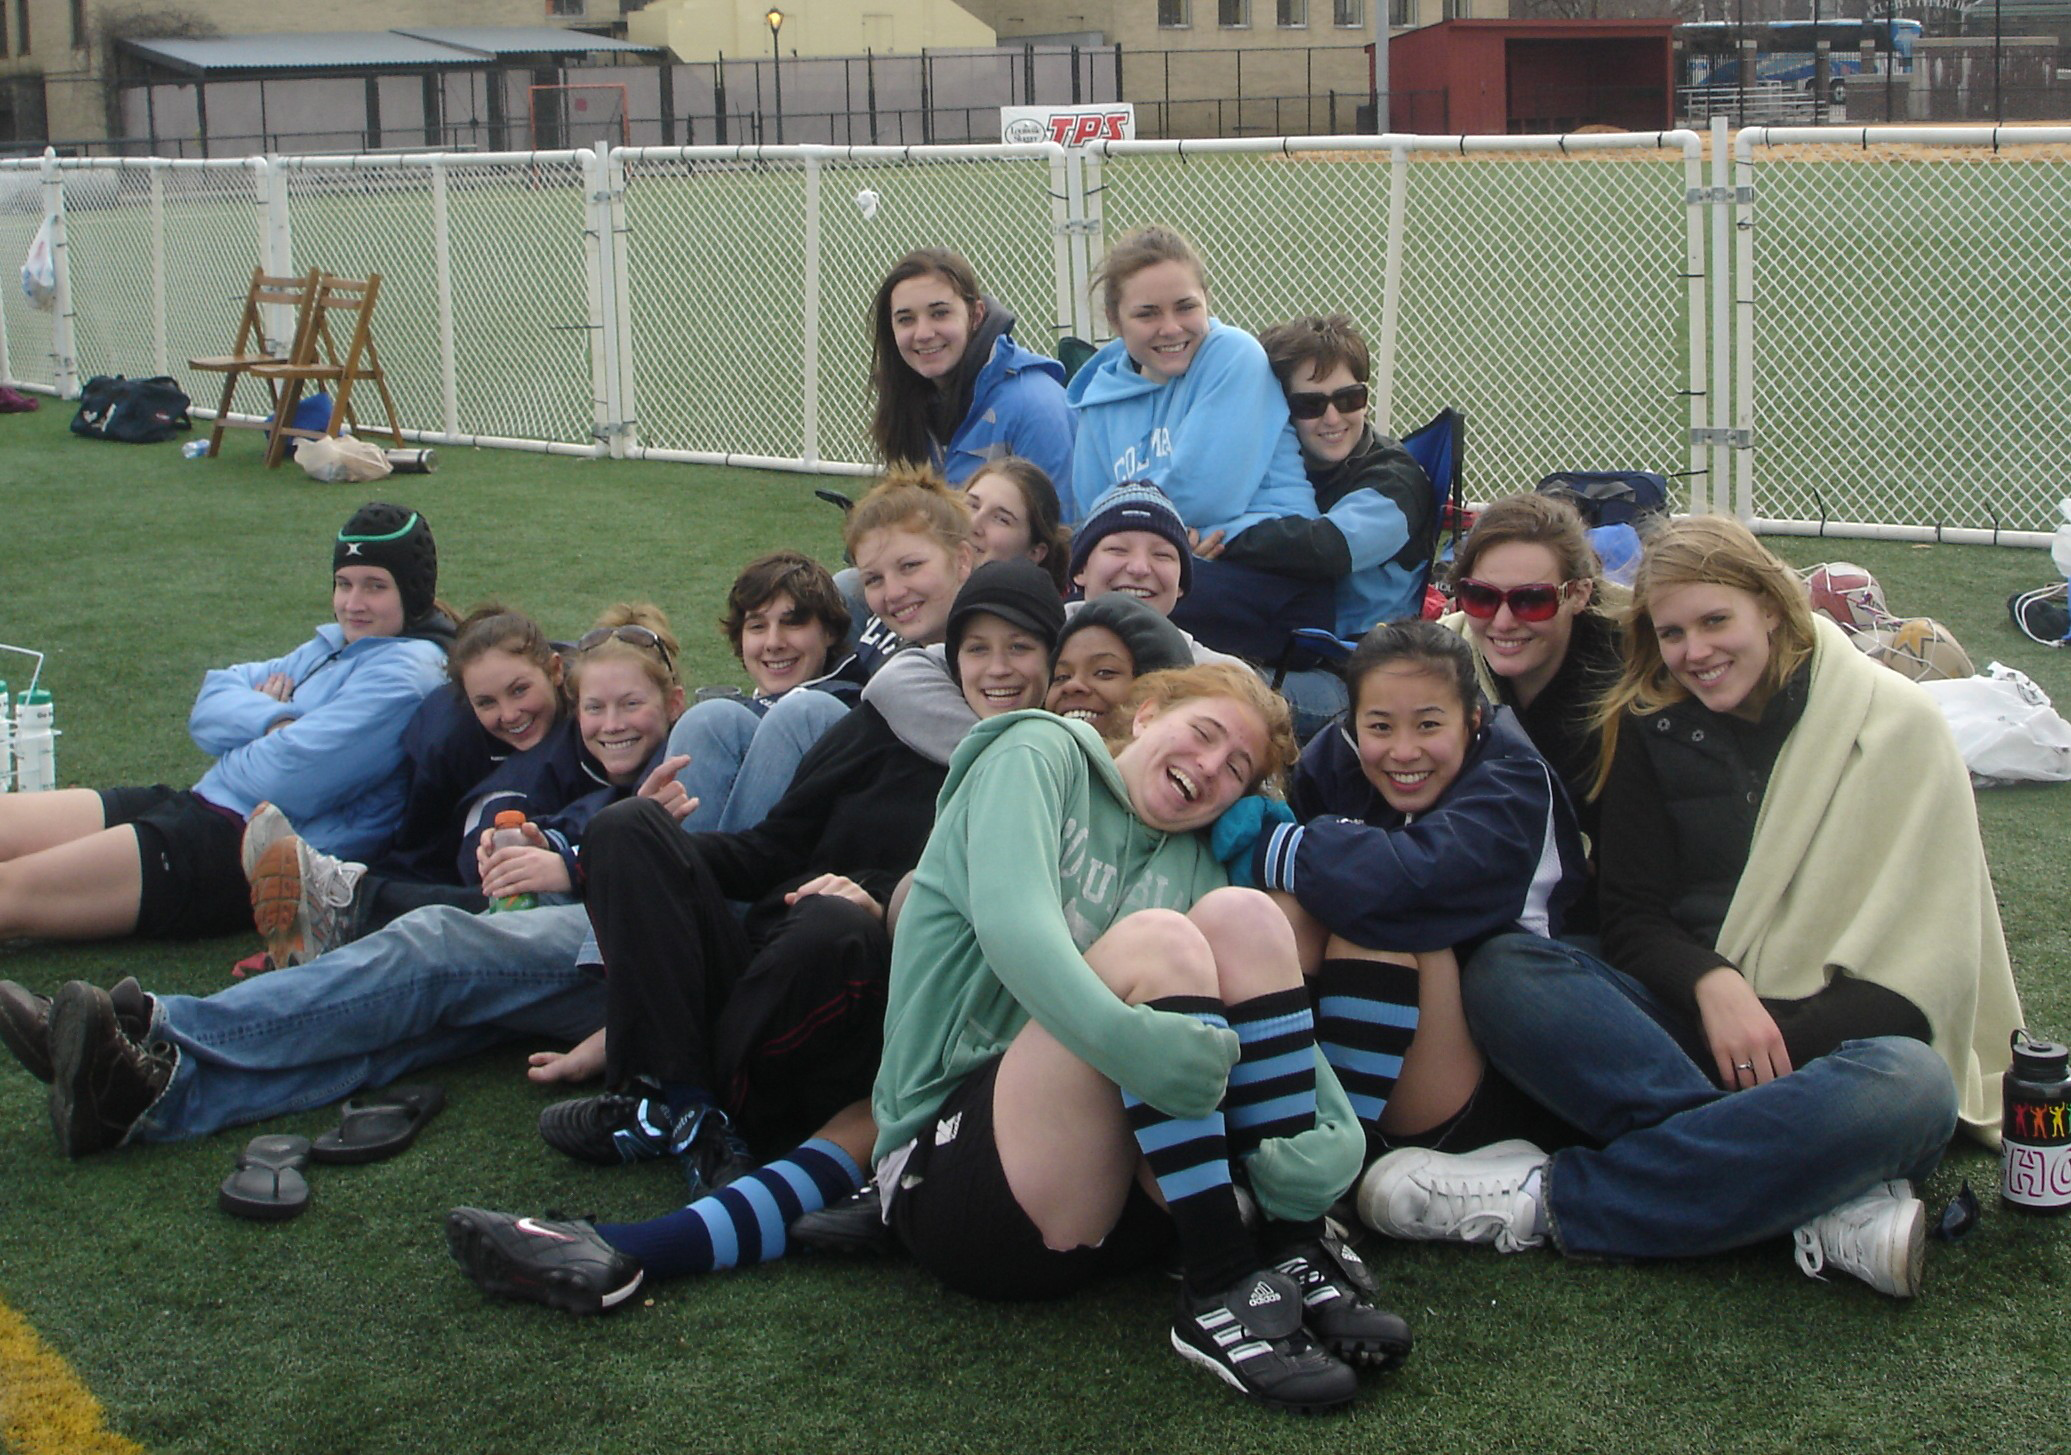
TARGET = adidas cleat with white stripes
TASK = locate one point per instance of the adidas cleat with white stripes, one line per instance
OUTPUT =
(1251, 1334)
(1338, 1305)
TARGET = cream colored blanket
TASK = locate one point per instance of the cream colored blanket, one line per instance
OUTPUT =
(1867, 858)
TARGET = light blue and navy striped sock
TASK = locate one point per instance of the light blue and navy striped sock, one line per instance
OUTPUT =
(744, 1221)
(1366, 1016)
(1190, 1159)
(1273, 1085)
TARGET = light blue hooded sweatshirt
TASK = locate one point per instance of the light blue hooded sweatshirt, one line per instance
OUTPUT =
(1017, 408)
(336, 769)
(1217, 439)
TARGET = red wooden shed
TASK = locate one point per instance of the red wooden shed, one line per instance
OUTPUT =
(1509, 77)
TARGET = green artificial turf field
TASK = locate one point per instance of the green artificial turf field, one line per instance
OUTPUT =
(349, 1330)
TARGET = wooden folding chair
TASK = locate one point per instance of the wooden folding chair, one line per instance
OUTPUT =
(347, 301)
(253, 346)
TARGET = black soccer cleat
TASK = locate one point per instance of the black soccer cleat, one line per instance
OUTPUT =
(1338, 1303)
(852, 1228)
(562, 1264)
(1251, 1334)
(608, 1129)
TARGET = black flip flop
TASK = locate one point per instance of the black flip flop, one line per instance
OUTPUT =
(376, 1127)
(268, 1186)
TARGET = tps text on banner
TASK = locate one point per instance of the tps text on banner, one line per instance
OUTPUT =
(1069, 126)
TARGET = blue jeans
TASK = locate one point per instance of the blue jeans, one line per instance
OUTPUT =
(1315, 697)
(1686, 1168)
(435, 985)
(741, 763)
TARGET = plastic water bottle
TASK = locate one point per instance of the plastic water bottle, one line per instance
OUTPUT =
(2035, 1137)
(35, 743)
(6, 741)
(194, 449)
(509, 831)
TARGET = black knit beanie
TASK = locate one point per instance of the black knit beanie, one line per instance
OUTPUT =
(1018, 592)
(1154, 643)
(395, 538)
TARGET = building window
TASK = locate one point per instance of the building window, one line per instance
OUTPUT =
(1172, 14)
(1402, 12)
(1233, 14)
(1294, 14)
(78, 25)
(21, 27)
(1459, 9)
(567, 9)
(1348, 14)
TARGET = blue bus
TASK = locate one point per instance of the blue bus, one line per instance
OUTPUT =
(1786, 51)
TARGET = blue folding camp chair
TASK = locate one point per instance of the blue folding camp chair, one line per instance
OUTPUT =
(1437, 447)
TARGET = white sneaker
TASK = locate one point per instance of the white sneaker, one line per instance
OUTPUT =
(1458, 1197)
(1880, 1237)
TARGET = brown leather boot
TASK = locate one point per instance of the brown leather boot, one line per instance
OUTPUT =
(102, 1080)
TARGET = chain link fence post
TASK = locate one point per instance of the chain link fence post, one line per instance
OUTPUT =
(64, 357)
(442, 264)
(1391, 292)
(809, 361)
(618, 316)
(160, 358)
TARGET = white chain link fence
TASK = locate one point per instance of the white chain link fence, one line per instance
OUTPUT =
(1896, 326)
(1904, 349)
(750, 273)
(1544, 285)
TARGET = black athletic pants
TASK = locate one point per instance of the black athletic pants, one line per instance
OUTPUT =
(785, 1028)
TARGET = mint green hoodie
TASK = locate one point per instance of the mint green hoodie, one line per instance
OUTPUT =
(1036, 854)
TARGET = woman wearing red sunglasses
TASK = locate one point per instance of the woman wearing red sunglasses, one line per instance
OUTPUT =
(1529, 593)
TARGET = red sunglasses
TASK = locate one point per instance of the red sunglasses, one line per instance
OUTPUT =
(1539, 601)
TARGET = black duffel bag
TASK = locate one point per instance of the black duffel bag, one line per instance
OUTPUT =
(135, 411)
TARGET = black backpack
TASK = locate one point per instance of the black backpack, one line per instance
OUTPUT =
(1610, 497)
(135, 411)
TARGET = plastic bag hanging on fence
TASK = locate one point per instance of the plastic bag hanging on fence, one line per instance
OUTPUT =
(40, 268)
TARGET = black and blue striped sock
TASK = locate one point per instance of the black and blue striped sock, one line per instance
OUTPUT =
(1273, 1085)
(1366, 1016)
(744, 1221)
(1190, 1159)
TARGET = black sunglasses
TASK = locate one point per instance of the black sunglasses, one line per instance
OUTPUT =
(637, 636)
(1348, 400)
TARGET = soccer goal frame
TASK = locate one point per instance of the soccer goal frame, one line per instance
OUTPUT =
(560, 108)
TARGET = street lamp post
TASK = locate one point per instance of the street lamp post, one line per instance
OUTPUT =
(776, 23)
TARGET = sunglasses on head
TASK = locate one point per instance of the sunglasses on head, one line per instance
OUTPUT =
(1539, 601)
(1348, 400)
(636, 636)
